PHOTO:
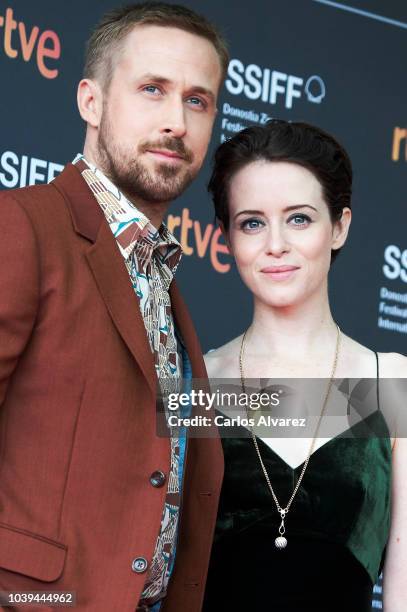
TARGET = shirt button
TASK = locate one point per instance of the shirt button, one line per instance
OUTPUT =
(139, 565)
(157, 479)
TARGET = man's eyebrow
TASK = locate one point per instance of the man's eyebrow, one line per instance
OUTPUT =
(149, 76)
(286, 209)
(156, 78)
(204, 91)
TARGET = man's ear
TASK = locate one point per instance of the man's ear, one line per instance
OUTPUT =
(90, 102)
(341, 229)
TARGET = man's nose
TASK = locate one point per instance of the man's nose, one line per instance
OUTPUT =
(174, 123)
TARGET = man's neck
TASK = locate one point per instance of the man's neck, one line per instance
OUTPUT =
(155, 212)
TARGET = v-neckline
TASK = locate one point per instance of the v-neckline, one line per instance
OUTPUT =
(339, 436)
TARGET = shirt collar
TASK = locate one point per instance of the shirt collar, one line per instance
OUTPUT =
(131, 228)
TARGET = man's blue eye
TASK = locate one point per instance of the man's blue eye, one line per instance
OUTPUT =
(196, 101)
(151, 88)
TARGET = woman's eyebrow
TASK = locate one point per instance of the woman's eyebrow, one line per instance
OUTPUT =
(294, 206)
(249, 212)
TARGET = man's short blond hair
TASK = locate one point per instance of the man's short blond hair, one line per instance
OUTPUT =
(106, 41)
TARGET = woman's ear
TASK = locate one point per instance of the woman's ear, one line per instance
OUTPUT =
(341, 229)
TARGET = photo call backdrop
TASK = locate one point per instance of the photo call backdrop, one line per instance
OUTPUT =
(339, 65)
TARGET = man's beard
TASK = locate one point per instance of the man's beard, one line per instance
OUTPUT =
(129, 175)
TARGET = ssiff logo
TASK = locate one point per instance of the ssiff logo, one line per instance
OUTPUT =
(271, 86)
(18, 40)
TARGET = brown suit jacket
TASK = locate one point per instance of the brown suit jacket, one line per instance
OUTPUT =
(77, 413)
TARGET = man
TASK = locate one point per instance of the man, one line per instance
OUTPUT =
(91, 320)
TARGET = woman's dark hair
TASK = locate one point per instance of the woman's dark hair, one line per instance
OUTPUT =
(279, 140)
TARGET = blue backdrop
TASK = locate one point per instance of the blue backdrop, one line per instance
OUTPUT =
(340, 65)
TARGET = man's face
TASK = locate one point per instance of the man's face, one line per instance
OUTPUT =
(158, 112)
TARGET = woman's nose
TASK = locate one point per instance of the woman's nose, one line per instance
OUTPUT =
(277, 243)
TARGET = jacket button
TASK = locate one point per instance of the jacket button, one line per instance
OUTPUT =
(157, 479)
(139, 565)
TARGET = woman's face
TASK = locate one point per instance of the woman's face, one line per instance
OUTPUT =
(280, 232)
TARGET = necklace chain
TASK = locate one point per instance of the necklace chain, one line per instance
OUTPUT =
(283, 511)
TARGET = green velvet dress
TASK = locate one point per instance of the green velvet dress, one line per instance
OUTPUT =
(337, 526)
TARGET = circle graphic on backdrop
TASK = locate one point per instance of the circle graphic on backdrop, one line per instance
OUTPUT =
(315, 89)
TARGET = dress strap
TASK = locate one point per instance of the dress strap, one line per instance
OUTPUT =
(377, 380)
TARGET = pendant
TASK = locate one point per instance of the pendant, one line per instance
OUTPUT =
(281, 541)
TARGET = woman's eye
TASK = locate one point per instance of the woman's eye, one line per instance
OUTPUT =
(251, 224)
(300, 220)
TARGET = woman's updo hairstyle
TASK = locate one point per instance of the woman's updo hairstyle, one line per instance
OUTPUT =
(279, 140)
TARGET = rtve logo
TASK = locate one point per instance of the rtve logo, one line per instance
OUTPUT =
(399, 134)
(18, 40)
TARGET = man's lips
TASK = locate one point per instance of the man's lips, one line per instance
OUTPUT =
(165, 153)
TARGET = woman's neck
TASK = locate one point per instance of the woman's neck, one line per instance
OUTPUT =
(293, 333)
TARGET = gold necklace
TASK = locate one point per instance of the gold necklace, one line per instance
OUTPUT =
(281, 541)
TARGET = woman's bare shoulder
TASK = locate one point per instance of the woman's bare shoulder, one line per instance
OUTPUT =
(391, 365)
(223, 362)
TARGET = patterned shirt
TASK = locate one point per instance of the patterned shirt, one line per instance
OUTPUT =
(151, 257)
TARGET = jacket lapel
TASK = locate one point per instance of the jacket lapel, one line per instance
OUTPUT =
(113, 282)
(108, 268)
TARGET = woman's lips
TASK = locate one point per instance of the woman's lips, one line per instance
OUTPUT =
(279, 272)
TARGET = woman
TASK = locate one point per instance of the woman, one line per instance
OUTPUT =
(303, 524)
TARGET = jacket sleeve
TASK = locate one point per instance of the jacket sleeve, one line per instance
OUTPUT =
(19, 285)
